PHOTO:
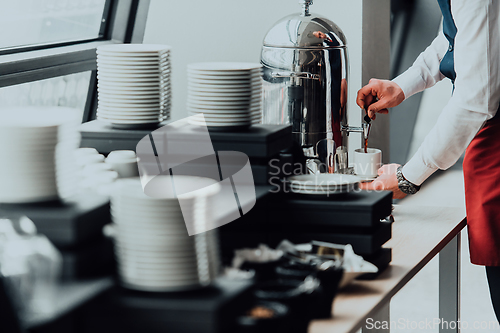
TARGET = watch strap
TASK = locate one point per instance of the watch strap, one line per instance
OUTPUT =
(404, 184)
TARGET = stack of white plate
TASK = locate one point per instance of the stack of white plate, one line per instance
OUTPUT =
(154, 251)
(227, 94)
(133, 84)
(36, 148)
(323, 184)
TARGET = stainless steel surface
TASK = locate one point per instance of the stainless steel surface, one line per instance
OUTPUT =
(305, 84)
(297, 31)
(363, 129)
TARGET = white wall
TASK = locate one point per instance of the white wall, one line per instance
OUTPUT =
(233, 30)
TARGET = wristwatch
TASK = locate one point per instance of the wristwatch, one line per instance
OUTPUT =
(405, 185)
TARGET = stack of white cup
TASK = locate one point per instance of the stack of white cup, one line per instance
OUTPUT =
(99, 173)
(94, 173)
(124, 162)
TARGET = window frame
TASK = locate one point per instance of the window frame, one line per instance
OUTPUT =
(126, 23)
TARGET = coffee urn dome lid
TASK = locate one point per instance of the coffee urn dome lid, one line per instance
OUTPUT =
(305, 31)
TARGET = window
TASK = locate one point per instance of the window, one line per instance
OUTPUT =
(69, 90)
(36, 22)
(47, 49)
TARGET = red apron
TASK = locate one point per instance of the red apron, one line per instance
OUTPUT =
(482, 194)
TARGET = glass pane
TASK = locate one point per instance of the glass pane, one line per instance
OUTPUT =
(32, 22)
(70, 90)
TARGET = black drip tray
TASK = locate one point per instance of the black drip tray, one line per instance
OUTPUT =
(259, 141)
(211, 310)
(362, 209)
(69, 224)
(366, 243)
(363, 244)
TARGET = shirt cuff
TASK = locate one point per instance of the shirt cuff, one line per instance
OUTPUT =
(416, 171)
(410, 82)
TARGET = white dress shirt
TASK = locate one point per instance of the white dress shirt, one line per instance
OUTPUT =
(476, 97)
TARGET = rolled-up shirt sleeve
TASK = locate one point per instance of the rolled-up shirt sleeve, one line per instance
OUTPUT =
(476, 96)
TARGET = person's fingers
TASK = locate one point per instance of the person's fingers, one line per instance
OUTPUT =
(381, 104)
(364, 94)
(373, 115)
(391, 168)
(378, 96)
(367, 186)
(369, 99)
(384, 169)
(378, 185)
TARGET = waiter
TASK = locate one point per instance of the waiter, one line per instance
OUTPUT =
(468, 53)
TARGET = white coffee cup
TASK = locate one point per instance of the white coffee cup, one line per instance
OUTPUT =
(124, 162)
(122, 155)
(87, 159)
(85, 151)
(367, 164)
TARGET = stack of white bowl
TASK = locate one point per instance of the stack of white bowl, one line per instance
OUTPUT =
(227, 94)
(133, 84)
(36, 147)
(154, 251)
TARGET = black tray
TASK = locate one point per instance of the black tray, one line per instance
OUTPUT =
(91, 260)
(363, 244)
(367, 243)
(260, 141)
(350, 213)
(362, 209)
(70, 224)
(211, 310)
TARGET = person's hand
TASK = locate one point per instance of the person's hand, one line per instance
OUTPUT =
(378, 96)
(386, 181)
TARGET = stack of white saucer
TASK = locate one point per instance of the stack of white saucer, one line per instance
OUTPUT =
(36, 146)
(154, 251)
(227, 94)
(323, 184)
(133, 84)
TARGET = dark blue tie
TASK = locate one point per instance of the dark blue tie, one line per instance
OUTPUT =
(447, 66)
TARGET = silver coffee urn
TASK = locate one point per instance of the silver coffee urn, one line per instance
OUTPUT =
(306, 69)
